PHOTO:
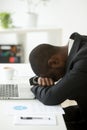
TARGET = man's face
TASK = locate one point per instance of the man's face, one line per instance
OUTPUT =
(55, 74)
(54, 68)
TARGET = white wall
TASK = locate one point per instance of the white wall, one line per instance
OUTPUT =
(70, 15)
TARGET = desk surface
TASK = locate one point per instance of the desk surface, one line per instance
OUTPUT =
(6, 120)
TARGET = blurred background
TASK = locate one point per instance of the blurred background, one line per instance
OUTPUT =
(59, 18)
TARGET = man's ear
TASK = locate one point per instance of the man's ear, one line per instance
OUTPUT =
(54, 61)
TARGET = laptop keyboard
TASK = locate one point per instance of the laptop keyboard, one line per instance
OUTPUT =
(8, 90)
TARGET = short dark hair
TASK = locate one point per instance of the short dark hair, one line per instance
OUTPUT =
(39, 57)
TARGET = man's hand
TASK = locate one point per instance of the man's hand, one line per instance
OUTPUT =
(45, 81)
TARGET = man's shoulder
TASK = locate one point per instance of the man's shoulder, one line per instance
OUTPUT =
(78, 35)
(74, 35)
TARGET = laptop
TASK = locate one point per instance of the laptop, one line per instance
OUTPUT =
(15, 91)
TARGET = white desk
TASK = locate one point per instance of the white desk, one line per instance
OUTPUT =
(6, 121)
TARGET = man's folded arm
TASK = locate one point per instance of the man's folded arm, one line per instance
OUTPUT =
(66, 88)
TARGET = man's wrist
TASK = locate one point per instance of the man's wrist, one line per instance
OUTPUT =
(33, 80)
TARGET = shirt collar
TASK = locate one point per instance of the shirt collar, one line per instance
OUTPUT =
(70, 43)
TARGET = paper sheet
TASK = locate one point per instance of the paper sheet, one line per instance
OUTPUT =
(31, 108)
(36, 120)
